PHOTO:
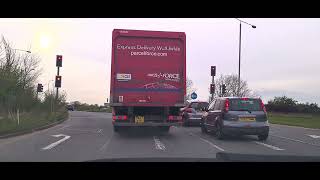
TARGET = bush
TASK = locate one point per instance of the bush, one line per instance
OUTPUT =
(285, 104)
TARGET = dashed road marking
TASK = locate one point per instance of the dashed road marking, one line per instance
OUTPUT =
(158, 144)
(215, 146)
(269, 146)
(105, 145)
(296, 140)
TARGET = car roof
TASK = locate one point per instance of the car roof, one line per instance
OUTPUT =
(236, 97)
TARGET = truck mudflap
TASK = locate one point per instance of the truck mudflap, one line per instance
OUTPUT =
(146, 124)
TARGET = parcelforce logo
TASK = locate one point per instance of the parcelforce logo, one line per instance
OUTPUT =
(167, 76)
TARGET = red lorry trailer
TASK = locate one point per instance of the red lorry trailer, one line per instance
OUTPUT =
(148, 78)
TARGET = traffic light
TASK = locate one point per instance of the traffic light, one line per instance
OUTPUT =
(40, 88)
(59, 61)
(58, 81)
(223, 89)
(212, 88)
(213, 70)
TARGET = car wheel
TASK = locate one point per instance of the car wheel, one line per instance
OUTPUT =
(263, 137)
(185, 122)
(219, 132)
(203, 128)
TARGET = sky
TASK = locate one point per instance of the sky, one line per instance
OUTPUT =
(279, 57)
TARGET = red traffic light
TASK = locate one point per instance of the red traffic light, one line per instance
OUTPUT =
(59, 57)
(212, 88)
(59, 61)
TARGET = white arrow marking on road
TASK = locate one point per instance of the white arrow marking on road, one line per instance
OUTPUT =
(159, 144)
(313, 136)
(58, 142)
(269, 146)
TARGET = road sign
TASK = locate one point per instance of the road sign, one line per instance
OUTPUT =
(194, 95)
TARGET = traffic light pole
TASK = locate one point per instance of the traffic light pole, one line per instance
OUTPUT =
(57, 93)
(212, 95)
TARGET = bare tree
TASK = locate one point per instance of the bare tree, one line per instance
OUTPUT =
(190, 88)
(231, 82)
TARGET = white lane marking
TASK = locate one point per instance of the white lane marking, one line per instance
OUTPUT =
(105, 145)
(81, 130)
(58, 142)
(99, 130)
(63, 127)
(269, 146)
(313, 136)
(296, 140)
(217, 147)
(158, 144)
(275, 125)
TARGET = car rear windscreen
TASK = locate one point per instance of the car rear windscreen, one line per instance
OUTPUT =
(200, 105)
(245, 105)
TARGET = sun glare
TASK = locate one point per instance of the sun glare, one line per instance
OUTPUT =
(45, 41)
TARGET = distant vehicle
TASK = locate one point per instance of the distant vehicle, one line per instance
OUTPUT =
(148, 78)
(70, 107)
(193, 112)
(236, 116)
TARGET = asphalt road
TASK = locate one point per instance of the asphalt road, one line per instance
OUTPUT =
(87, 136)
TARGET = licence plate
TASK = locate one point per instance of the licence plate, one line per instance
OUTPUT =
(246, 119)
(139, 119)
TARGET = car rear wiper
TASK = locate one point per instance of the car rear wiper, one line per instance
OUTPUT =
(245, 110)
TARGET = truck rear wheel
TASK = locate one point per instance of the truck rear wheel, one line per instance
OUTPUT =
(164, 129)
(116, 128)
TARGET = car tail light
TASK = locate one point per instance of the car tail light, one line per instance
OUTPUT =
(170, 118)
(226, 105)
(262, 106)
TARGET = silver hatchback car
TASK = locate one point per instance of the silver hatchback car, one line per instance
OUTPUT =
(236, 116)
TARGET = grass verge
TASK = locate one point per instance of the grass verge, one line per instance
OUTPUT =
(295, 119)
(31, 120)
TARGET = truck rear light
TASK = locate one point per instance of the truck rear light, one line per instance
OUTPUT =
(244, 99)
(174, 118)
(120, 117)
(226, 105)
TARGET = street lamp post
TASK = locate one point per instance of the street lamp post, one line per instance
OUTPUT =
(22, 50)
(253, 26)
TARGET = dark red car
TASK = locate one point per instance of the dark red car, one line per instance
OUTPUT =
(192, 113)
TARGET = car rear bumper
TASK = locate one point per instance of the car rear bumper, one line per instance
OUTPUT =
(194, 120)
(146, 124)
(252, 128)
(245, 131)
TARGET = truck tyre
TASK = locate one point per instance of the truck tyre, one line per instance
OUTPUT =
(185, 122)
(165, 129)
(115, 128)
